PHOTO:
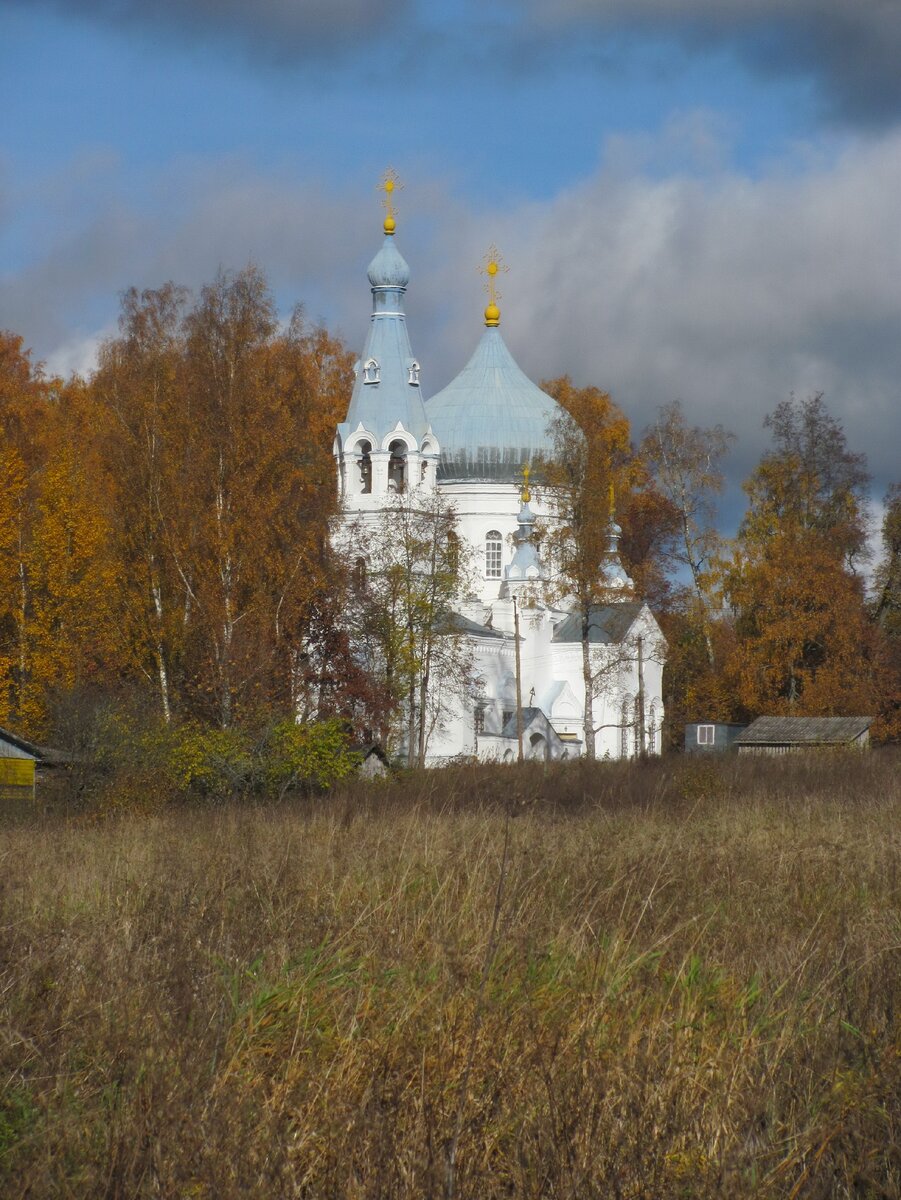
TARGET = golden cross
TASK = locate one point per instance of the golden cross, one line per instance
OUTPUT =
(525, 495)
(390, 183)
(493, 263)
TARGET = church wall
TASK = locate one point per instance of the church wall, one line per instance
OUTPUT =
(482, 507)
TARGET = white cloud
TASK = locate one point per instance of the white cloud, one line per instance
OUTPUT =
(726, 291)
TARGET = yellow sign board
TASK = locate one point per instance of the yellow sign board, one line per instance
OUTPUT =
(16, 772)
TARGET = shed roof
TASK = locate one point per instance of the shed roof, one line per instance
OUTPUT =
(41, 754)
(28, 748)
(804, 731)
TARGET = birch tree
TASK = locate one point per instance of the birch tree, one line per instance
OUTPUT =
(408, 585)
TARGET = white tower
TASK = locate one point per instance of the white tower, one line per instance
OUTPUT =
(385, 445)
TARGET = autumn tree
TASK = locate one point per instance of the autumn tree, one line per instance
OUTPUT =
(803, 641)
(887, 615)
(590, 462)
(138, 383)
(407, 587)
(685, 462)
(887, 607)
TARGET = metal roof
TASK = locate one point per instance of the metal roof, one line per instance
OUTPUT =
(461, 624)
(490, 419)
(378, 406)
(28, 749)
(803, 731)
(608, 623)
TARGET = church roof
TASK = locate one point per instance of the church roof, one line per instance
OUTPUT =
(461, 624)
(386, 388)
(490, 419)
(608, 623)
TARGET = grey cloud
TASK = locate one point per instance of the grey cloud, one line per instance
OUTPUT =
(850, 47)
(276, 30)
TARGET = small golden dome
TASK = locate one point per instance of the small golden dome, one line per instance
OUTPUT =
(389, 226)
(492, 315)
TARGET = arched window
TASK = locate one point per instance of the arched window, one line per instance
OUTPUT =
(365, 464)
(493, 550)
(413, 373)
(359, 574)
(397, 466)
(371, 371)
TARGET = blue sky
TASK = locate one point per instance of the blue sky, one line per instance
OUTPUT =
(696, 200)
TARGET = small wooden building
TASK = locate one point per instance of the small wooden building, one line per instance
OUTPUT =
(711, 737)
(18, 760)
(779, 735)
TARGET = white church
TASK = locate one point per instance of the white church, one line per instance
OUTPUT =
(470, 442)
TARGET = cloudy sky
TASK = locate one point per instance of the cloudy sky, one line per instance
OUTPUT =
(697, 199)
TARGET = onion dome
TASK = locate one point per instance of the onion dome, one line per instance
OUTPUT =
(389, 267)
(491, 419)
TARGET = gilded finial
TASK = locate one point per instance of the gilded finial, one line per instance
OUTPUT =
(493, 264)
(524, 494)
(389, 185)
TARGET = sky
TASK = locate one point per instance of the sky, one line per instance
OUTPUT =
(696, 200)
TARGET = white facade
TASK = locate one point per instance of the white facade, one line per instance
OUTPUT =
(469, 443)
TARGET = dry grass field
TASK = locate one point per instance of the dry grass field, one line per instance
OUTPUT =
(671, 980)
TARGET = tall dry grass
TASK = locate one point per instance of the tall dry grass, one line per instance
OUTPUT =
(661, 981)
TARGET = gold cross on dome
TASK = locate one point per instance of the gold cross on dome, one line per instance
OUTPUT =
(493, 263)
(390, 183)
(525, 495)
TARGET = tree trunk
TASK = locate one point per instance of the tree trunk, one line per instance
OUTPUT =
(589, 686)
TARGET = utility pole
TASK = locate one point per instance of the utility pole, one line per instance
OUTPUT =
(518, 680)
(640, 713)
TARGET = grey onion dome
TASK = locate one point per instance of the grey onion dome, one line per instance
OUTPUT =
(491, 419)
(389, 267)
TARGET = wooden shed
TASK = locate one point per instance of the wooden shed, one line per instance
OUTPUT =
(18, 760)
(780, 735)
(711, 737)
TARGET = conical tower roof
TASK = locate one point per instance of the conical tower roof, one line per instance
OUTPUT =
(386, 388)
(491, 419)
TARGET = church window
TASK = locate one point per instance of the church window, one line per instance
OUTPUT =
(365, 464)
(506, 717)
(493, 549)
(371, 371)
(478, 718)
(413, 373)
(397, 466)
(359, 574)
